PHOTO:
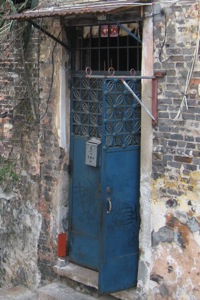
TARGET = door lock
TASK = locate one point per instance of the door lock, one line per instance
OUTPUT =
(108, 190)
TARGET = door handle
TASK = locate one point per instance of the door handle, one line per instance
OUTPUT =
(109, 205)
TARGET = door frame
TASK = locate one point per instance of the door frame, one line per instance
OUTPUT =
(146, 155)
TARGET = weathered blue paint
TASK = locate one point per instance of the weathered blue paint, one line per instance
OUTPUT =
(107, 242)
(119, 244)
(120, 172)
(85, 209)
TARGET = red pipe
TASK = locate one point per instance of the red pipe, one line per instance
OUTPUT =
(62, 244)
(155, 101)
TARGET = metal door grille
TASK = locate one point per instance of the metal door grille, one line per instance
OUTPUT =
(121, 114)
(104, 105)
(87, 106)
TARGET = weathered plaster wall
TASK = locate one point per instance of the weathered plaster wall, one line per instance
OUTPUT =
(146, 159)
(53, 205)
(33, 170)
(20, 221)
(176, 155)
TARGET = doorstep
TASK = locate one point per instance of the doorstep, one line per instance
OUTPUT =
(89, 278)
(79, 274)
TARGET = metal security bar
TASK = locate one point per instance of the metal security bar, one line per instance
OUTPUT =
(138, 100)
(111, 75)
(90, 48)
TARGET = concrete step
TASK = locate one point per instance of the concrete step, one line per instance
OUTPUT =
(18, 293)
(53, 291)
(60, 291)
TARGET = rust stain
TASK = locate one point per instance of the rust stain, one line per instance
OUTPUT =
(174, 224)
(191, 214)
(195, 81)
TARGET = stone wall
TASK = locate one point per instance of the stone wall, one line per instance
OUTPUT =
(20, 221)
(176, 154)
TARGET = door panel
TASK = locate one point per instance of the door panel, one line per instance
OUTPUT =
(120, 249)
(85, 187)
(120, 187)
(85, 209)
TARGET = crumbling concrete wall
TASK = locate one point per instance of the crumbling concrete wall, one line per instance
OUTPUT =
(33, 171)
(53, 199)
(20, 221)
(33, 144)
(176, 157)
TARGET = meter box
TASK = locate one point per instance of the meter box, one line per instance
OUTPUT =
(92, 153)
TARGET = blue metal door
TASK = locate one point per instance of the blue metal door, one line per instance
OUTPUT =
(120, 187)
(104, 208)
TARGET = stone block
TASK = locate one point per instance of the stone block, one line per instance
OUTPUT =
(164, 235)
(184, 159)
(176, 137)
(193, 224)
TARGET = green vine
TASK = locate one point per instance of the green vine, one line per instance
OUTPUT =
(8, 7)
(7, 173)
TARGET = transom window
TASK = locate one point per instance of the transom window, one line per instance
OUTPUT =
(104, 46)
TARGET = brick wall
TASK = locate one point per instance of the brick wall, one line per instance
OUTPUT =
(176, 155)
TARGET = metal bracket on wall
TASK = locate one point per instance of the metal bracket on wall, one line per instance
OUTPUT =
(157, 75)
(49, 34)
(125, 29)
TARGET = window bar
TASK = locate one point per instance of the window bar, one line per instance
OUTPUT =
(74, 52)
(120, 76)
(89, 109)
(81, 51)
(127, 53)
(108, 50)
(137, 49)
(124, 127)
(99, 51)
(118, 52)
(90, 43)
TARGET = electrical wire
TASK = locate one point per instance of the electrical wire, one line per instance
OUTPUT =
(189, 76)
(52, 77)
(164, 41)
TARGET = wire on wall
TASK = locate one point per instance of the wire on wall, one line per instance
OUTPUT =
(164, 40)
(27, 81)
(189, 76)
(52, 77)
